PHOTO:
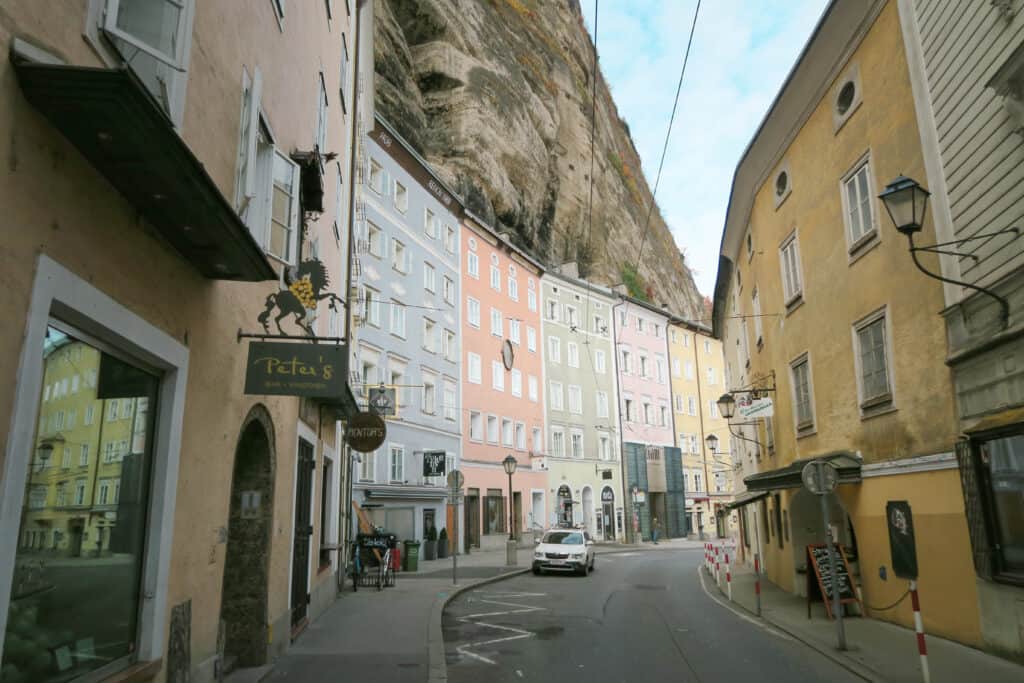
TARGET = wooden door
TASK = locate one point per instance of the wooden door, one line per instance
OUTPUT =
(302, 534)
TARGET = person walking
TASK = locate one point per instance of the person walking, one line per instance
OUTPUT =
(656, 529)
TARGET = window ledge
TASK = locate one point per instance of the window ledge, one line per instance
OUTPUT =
(137, 673)
(864, 245)
(802, 432)
(794, 303)
(877, 411)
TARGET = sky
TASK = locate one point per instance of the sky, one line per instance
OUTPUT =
(742, 51)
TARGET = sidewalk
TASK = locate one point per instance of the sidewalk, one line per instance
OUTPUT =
(877, 650)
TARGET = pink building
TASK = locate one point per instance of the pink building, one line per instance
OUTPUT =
(645, 392)
(501, 388)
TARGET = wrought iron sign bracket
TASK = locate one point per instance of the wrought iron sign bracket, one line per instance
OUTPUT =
(288, 337)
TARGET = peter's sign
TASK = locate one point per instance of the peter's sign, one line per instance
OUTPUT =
(283, 369)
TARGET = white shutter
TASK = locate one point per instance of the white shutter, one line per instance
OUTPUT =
(255, 93)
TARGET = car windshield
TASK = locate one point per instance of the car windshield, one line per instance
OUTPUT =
(564, 538)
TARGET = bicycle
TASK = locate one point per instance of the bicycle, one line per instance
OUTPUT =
(356, 568)
(384, 569)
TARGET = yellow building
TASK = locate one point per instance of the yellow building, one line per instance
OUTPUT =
(698, 379)
(819, 305)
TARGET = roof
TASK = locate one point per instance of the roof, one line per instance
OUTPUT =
(487, 227)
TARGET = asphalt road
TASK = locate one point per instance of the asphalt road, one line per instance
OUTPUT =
(640, 616)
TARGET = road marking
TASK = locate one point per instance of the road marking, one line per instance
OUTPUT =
(519, 633)
(756, 622)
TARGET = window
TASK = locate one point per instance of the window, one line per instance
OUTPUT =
(531, 388)
(492, 428)
(495, 278)
(531, 339)
(624, 361)
(639, 324)
(449, 239)
(691, 405)
(857, 205)
(802, 397)
(573, 352)
(538, 440)
(712, 409)
(571, 317)
(429, 278)
(494, 512)
(476, 426)
(396, 378)
(599, 326)
(628, 410)
(448, 347)
(575, 399)
(557, 443)
(520, 436)
(396, 463)
(375, 239)
(643, 366)
(665, 418)
(371, 306)
(648, 414)
(711, 375)
(659, 370)
(517, 382)
(513, 288)
(112, 409)
(449, 290)
(531, 300)
(473, 371)
(399, 256)
(65, 461)
(370, 368)
(473, 264)
(791, 283)
(473, 311)
(401, 197)
(602, 404)
(368, 467)
(80, 492)
(690, 372)
(678, 399)
(769, 434)
(514, 331)
(428, 399)
(321, 115)
(430, 223)
(506, 432)
(497, 375)
(697, 484)
(600, 361)
(872, 361)
(686, 341)
(284, 214)
(576, 440)
(376, 176)
(83, 455)
(604, 450)
(74, 384)
(622, 319)
(758, 327)
(998, 464)
(552, 311)
(430, 335)
(707, 346)
(554, 349)
(397, 318)
(557, 396)
(497, 324)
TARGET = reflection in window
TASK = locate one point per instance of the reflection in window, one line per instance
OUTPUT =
(1003, 460)
(78, 568)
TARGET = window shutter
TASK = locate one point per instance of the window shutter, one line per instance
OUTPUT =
(971, 480)
(255, 93)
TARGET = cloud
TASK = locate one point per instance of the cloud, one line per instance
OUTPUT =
(741, 54)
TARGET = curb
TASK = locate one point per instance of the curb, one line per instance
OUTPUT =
(437, 666)
(851, 665)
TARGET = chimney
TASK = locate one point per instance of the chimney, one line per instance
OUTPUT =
(569, 269)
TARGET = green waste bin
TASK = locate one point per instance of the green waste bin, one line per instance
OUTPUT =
(411, 556)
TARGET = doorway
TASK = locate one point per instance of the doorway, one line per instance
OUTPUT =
(564, 498)
(302, 534)
(472, 514)
(243, 610)
(517, 515)
(608, 512)
(538, 523)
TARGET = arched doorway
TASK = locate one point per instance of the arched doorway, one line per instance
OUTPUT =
(588, 509)
(564, 502)
(243, 611)
(608, 512)
(803, 522)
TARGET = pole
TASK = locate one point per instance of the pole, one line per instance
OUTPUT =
(455, 553)
(757, 582)
(511, 537)
(922, 649)
(837, 607)
(728, 576)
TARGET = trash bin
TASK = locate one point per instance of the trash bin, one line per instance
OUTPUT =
(411, 556)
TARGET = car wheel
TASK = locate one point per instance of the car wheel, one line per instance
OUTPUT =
(585, 569)
(592, 559)
(536, 571)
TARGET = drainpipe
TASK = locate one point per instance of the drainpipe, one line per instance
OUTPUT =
(627, 502)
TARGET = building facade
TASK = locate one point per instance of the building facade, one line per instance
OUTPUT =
(822, 312)
(501, 392)
(697, 368)
(169, 526)
(651, 462)
(584, 475)
(967, 78)
(406, 337)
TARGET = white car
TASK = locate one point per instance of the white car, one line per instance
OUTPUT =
(564, 550)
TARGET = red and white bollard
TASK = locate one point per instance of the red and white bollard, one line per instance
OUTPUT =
(922, 649)
(728, 577)
(718, 566)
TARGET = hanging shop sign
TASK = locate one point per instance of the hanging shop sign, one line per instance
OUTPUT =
(433, 463)
(752, 408)
(383, 400)
(296, 369)
(365, 432)
(304, 287)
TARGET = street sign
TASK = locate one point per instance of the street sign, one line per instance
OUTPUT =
(750, 408)
(902, 546)
(820, 477)
(455, 480)
(433, 463)
(365, 432)
(383, 400)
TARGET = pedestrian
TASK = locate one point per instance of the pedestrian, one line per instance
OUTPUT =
(656, 526)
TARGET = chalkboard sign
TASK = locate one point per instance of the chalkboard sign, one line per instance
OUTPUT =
(820, 580)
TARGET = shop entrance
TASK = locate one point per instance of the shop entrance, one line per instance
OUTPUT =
(564, 506)
(243, 610)
(608, 512)
(472, 513)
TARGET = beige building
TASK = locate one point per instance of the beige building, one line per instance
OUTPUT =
(170, 169)
(697, 369)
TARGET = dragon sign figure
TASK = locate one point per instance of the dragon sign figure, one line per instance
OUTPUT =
(304, 288)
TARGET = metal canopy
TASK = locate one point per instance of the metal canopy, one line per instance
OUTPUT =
(847, 462)
(110, 117)
(746, 498)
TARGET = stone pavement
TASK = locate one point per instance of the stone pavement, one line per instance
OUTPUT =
(877, 650)
(394, 636)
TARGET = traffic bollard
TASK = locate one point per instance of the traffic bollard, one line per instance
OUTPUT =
(922, 649)
(728, 577)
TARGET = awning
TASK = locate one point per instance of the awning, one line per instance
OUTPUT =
(746, 498)
(402, 492)
(110, 117)
(345, 406)
(788, 477)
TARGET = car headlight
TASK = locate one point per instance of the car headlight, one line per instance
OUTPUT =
(577, 556)
(538, 555)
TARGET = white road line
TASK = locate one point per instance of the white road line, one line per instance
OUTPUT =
(519, 633)
(741, 615)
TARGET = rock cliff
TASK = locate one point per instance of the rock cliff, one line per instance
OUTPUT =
(496, 95)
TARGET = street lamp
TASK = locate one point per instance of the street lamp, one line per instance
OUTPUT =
(712, 443)
(45, 450)
(727, 406)
(509, 463)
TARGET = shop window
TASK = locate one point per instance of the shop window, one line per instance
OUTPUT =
(992, 473)
(494, 512)
(77, 585)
